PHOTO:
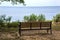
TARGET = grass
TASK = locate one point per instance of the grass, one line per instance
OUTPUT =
(9, 29)
(56, 26)
(32, 37)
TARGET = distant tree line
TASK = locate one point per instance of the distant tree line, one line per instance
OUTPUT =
(34, 17)
(6, 21)
(41, 17)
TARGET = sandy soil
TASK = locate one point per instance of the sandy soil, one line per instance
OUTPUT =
(30, 35)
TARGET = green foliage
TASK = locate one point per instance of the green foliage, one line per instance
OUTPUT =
(33, 17)
(56, 18)
(41, 17)
(26, 18)
(8, 19)
(14, 24)
(4, 21)
(14, 1)
(1, 21)
(6, 25)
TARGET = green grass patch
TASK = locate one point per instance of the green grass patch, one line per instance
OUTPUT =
(9, 29)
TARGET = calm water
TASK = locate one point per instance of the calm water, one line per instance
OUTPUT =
(18, 13)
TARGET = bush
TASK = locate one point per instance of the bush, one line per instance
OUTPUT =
(34, 17)
(13, 24)
(56, 18)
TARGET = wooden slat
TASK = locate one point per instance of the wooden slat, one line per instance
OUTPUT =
(45, 24)
(25, 24)
(35, 24)
(35, 29)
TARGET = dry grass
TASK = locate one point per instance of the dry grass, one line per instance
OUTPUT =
(30, 35)
(33, 35)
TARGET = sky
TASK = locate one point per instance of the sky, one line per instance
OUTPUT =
(11, 10)
(35, 3)
(42, 2)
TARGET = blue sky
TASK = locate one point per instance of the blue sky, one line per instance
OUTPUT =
(18, 13)
(42, 2)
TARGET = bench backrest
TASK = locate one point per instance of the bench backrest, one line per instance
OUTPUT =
(35, 24)
(25, 24)
(46, 24)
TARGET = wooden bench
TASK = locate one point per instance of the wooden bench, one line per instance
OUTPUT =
(35, 26)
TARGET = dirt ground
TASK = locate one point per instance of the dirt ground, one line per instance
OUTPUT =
(30, 35)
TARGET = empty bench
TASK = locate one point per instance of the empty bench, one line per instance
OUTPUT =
(35, 26)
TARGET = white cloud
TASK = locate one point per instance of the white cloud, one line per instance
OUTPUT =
(5, 3)
(42, 2)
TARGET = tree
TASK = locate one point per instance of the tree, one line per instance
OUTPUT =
(2, 19)
(56, 18)
(26, 18)
(8, 19)
(41, 17)
(14, 1)
(33, 17)
(1, 22)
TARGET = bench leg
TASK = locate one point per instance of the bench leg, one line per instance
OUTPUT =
(47, 30)
(51, 31)
(19, 32)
